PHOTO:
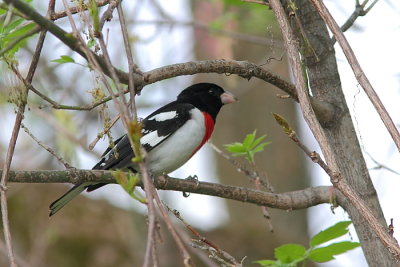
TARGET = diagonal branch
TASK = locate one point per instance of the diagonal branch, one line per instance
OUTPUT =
(358, 71)
(242, 68)
(65, 37)
(359, 11)
(23, 95)
(331, 169)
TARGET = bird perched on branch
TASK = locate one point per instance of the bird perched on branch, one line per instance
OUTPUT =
(171, 135)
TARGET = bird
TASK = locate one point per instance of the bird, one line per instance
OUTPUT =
(171, 135)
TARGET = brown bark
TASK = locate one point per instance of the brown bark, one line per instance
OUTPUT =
(320, 61)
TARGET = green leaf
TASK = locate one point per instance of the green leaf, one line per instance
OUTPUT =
(11, 26)
(18, 32)
(267, 263)
(128, 182)
(332, 232)
(260, 147)
(234, 148)
(64, 59)
(289, 252)
(327, 253)
(257, 141)
(249, 140)
(249, 147)
(94, 14)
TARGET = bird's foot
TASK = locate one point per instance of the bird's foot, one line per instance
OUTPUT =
(192, 178)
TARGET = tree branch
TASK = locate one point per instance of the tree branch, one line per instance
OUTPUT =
(23, 95)
(358, 71)
(76, 9)
(331, 169)
(242, 68)
(359, 11)
(287, 201)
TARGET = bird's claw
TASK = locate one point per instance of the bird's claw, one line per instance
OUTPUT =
(192, 178)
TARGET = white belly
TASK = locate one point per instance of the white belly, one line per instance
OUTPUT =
(179, 147)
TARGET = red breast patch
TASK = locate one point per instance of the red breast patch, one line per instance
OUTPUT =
(209, 125)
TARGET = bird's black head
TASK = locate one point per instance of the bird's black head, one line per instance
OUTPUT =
(207, 97)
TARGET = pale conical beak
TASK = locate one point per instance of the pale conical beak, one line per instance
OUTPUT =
(227, 98)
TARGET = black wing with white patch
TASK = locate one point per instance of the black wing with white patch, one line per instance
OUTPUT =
(159, 125)
(156, 128)
(118, 157)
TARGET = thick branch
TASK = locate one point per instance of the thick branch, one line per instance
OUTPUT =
(332, 168)
(287, 201)
(242, 68)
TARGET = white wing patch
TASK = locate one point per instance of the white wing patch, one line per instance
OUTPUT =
(164, 116)
(152, 139)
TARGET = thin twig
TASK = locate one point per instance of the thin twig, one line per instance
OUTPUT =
(151, 193)
(107, 15)
(254, 176)
(151, 215)
(203, 239)
(56, 105)
(381, 166)
(358, 71)
(184, 253)
(122, 105)
(76, 9)
(125, 116)
(219, 255)
(11, 147)
(105, 131)
(47, 148)
(250, 174)
(62, 130)
(18, 260)
(359, 11)
(133, 68)
(3, 187)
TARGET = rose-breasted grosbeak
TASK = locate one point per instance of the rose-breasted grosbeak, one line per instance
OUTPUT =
(171, 135)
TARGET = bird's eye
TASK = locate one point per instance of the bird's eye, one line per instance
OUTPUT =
(211, 91)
